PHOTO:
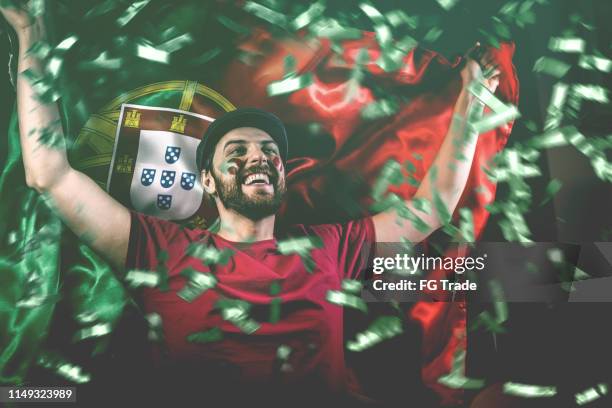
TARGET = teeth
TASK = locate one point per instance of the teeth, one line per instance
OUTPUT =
(257, 177)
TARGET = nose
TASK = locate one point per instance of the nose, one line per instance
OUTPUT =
(257, 157)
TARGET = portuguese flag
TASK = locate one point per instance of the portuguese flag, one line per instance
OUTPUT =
(351, 99)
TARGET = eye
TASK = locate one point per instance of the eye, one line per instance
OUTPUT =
(237, 151)
(270, 150)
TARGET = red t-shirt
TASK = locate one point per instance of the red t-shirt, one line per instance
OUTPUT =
(310, 325)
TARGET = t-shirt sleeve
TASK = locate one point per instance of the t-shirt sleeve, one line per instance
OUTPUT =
(354, 242)
(149, 236)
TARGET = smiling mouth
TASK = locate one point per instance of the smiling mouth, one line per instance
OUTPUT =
(261, 179)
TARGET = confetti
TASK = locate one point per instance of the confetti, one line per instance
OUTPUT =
(456, 378)
(304, 19)
(97, 330)
(591, 394)
(447, 4)
(289, 85)
(571, 45)
(593, 62)
(236, 312)
(529, 391)
(197, 284)
(346, 300)
(390, 174)
(383, 328)
(208, 336)
(63, 368)
(138, 278)
(551, 66)
(210, 255)
(265, 13)
(302, 247)
(383, 32)
(151, 53)
(352, 286)
(154, 321)
(131, 12)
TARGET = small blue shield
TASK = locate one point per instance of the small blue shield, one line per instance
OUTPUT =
(172, 154)
(167, 178)
(164, 201)
(188, 180)
(147, 177)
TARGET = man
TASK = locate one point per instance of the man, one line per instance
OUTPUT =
(242, 160)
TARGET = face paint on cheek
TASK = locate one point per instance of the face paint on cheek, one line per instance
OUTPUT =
(278, 164)
(231, 166)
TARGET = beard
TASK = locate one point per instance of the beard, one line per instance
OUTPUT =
(258, 206)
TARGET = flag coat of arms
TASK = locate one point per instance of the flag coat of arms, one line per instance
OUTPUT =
(153, 168)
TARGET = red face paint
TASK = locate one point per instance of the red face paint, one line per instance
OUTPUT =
(278, 164)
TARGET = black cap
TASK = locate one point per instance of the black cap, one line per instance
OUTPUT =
(242, 117)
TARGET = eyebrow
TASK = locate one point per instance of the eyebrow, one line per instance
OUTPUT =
(242, 141)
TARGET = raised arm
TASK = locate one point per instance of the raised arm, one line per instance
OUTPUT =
(449, 171)
(88, 210)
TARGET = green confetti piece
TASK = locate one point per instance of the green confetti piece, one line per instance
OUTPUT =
(447, 4)
(399, 17)
(176, 43)
(148, 52)
(265, 13)
(275, 303)
(433, 34)
(206, 56)
(593, 62)
(302, 247)
(551, 66)
(383, 32)
(289, 85)
(346, 300)
(456, 379)
(97, 330)
(304, 19)
(554, 111)
(62, 367)
(591, 92)
(102, 61)
(553, 187)
(352, 286)
(283, 352)
(444, 216)
(332, 29)
(528, 390)
(210, 255)
(569, 45)
(237, 312)
(480, 91)
(131, 12)
(390, 174)
(138, 278)
(40, 49)
(591, 394)
(101, 9)
(154, 322)
(383, 328)
(466, 225)
(379, 109)
(494, 120)
(208, 336)
(197, 284)
(232, 25)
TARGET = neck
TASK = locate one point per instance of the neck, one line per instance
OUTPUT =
(238, 228)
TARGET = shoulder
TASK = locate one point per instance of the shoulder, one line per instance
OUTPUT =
(157, 227)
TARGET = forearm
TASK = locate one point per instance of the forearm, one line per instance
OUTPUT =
(42, 139)
(450, 169)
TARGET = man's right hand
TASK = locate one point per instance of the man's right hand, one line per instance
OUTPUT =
(17, 14)
(90, 212)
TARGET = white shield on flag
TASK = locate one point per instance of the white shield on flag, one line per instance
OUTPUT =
(166, 196)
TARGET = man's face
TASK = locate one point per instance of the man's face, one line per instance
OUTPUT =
(248, 173)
